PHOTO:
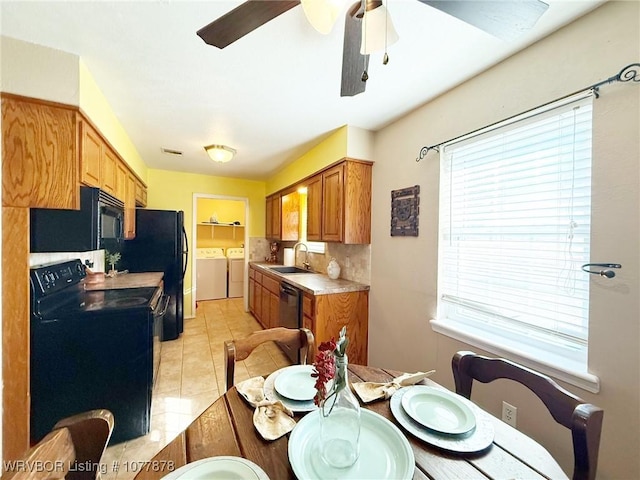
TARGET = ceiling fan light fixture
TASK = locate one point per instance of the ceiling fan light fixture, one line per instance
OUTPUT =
(378, 31)
(220, 153)
(321, 14)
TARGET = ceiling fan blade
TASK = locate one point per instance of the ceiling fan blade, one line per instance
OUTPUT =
(505, 19)
(354, 64)
(243, 19)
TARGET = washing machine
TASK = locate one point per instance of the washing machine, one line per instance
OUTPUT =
(235, 259)
(211, 274)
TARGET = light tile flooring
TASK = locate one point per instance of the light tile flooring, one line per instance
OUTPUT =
(191, 377)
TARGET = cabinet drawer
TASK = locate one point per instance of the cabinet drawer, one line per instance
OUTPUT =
(307, 305)
(271, 284)
(251, 273)
(258, 277)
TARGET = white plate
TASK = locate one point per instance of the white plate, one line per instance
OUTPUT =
(293, 405)
(296, 383)
(384, 451)
(227, 468)
(438, 410)
(476, 440)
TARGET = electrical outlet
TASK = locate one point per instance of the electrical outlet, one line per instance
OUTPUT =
(509, 413)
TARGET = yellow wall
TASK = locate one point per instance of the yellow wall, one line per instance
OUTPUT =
(331, 149)
(220, 236)
(95, 106)
(170, 190)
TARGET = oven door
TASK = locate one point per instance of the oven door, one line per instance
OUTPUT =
(159, 307)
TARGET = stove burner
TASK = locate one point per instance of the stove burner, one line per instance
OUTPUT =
(126, 302)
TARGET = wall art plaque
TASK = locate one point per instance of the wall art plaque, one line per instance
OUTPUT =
(405, 208)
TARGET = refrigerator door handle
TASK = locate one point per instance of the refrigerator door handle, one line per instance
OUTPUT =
(185, 252)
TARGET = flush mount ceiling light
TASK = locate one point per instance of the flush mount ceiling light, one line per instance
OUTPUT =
(220, 153)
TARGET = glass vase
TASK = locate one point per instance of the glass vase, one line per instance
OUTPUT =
(340, 421)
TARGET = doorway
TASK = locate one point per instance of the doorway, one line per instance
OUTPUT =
(220, 222)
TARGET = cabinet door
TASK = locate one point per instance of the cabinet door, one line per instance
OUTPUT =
(252, 295)
(268, 222)
(274, 310)
(130, 207)
(266, 310)
(122, 173)
(141, 194)
(39, 155)
(290, 206)
(109, 172)
(314, 209)
(258, 304)
(90, 156)
(276, 212)
(332, 204)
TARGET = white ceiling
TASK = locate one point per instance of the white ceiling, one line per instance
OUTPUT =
(273, 94)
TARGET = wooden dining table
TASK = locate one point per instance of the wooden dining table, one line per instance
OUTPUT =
(226, 428)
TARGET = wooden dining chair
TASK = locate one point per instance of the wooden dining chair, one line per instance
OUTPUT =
(294, 338)
(583, 419)
(49, 459)
(72, 450)
(90, 432)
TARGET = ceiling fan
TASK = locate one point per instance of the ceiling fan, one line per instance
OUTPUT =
(505, 19)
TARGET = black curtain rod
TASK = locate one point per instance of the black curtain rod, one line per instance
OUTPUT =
(630, 73)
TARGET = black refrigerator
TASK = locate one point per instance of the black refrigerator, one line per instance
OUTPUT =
(161, 245)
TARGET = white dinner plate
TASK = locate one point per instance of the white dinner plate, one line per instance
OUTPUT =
(475, 440)
(295, 406)
(384, 451)
(296, 383)
(219, 468)
(438, 410)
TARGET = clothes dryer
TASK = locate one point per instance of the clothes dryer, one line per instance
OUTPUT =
(211, 274)
(235, 258)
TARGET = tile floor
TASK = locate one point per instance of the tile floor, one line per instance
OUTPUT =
(191, 377)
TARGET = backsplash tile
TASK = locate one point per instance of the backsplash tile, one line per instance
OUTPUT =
(96, 257)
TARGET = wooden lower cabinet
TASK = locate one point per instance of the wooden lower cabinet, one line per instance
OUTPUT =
(264, 298)
(325, 315)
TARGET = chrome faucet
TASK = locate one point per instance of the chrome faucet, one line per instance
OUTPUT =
(306, 256)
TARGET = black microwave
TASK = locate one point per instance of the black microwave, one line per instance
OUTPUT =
(99, 224)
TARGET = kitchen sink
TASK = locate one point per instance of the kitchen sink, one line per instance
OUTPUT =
(290, 270)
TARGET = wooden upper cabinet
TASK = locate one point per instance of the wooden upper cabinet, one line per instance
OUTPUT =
(314, 208)
(339, 203)
(290, 217)
(122, 177)
(39, 154)
(141, 194)
(129, 206)
(91, 152)
(109, 172)
(272, 217)
(332, 204)
(268, 223)
(357, 202)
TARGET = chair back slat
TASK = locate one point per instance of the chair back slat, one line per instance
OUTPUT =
(294, 338)
(583, 419)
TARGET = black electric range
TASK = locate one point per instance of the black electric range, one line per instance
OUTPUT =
(92, 349)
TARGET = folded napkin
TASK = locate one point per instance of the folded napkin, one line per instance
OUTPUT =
(370, 391)
(271, 419)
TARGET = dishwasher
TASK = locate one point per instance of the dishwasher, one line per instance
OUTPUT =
(290, 314)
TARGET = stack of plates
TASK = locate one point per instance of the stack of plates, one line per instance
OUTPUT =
(442, 418)
(293, 386)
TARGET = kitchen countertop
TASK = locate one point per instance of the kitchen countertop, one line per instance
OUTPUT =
(126, 280)
(313, 283)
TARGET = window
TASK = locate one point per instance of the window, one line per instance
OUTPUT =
(515, 208)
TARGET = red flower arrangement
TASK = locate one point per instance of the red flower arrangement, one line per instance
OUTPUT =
(325, 366)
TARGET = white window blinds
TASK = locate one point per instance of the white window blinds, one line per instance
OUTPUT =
(515, 207)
